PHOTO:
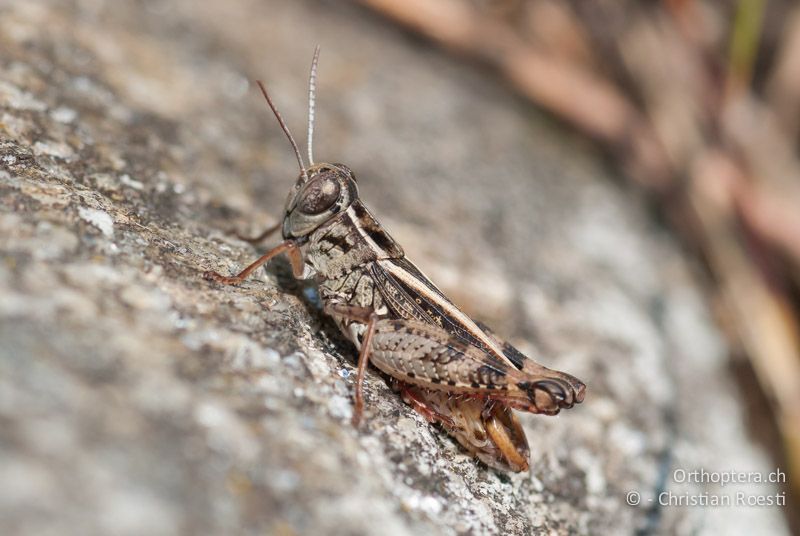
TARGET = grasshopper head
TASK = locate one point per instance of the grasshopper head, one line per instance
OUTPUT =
(328, 190)
(322, 190)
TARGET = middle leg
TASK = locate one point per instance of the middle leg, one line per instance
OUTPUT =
(363, 315)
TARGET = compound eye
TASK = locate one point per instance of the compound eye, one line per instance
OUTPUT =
(320, 195)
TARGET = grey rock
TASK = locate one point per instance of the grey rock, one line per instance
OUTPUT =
(137, 398)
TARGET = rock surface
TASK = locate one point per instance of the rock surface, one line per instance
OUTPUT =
(137, 398)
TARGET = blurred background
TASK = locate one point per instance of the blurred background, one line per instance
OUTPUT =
(699, 104)
(614, 185)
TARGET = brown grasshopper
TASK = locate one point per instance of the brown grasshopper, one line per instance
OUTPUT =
(450, 368)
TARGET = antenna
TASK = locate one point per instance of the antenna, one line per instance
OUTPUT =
(284, 128)
(312, 98)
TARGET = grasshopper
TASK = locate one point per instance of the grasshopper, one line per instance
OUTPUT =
(450, 368)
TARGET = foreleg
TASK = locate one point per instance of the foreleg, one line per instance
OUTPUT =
(288, 247)
(263, 236)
